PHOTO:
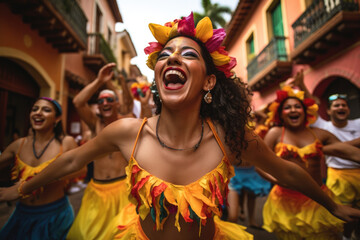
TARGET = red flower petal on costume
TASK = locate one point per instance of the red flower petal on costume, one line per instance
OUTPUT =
(140, 184)
(121, 227)
(157, 190)
(154, 46)
(186, 26)
(135, 191)
(212, 192)
(226, 195)
(135, 169)
(187, 216)
(218, 193)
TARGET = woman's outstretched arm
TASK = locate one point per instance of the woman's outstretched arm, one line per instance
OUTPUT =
(71, 161)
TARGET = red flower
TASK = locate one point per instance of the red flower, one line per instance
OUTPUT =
(281, 95)
(308, 101)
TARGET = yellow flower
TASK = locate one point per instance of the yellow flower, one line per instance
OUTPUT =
(204, 30)
(161, 33)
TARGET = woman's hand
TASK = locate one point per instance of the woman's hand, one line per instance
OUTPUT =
(9, 193)
(346, 213)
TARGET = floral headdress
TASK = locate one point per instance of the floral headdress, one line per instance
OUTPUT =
(212, 38)
(282, 95)
(139, 89)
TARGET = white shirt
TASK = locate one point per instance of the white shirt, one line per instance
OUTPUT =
(137, 108)
(347, 133)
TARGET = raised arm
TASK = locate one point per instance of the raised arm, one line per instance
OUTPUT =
(260, 155)
(298, 82)
(80, 101)
(145, 106)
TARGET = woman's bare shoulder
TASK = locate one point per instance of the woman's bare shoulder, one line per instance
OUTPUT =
(125, 127)
(12, 149)
(68, 143)
(324, 136)
(274, 130)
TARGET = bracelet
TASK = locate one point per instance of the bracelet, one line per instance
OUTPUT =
(20, 190)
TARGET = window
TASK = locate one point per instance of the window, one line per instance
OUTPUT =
(109, 35)
(250, 48)
(98, 20)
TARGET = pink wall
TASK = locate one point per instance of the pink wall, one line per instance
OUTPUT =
(345, 64)
(258, 24)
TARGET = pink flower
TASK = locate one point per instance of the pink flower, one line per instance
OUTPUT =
(186, 26)
(154, 46)
(215, 41)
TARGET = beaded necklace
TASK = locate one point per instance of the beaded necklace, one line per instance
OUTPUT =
(44, 149)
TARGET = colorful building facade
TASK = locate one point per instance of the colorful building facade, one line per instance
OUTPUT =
(274, 39)
(53, 48)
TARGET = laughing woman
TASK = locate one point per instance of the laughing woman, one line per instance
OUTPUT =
(46, 212)
(180, 161)
(288, 213)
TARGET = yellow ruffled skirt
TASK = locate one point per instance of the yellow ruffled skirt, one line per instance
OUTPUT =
(291, 215)
(129, 228)
(100, 204)
(345, 184)
(230, 231)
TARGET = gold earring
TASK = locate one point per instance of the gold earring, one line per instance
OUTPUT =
(208, 97)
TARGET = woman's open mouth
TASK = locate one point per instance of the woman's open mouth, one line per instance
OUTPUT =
(174, 79)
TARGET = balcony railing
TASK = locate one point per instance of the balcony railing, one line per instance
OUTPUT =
(98, 45)
(275, 50)
(317, 14)
(73, 14)
(61, 22)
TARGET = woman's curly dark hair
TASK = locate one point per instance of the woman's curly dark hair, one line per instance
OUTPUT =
(230, 105)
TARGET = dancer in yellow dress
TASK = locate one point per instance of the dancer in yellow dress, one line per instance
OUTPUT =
(288, 213)
(180, 161)
(105, 194)
(46, 213)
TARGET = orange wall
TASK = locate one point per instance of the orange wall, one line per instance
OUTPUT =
(21, 37)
